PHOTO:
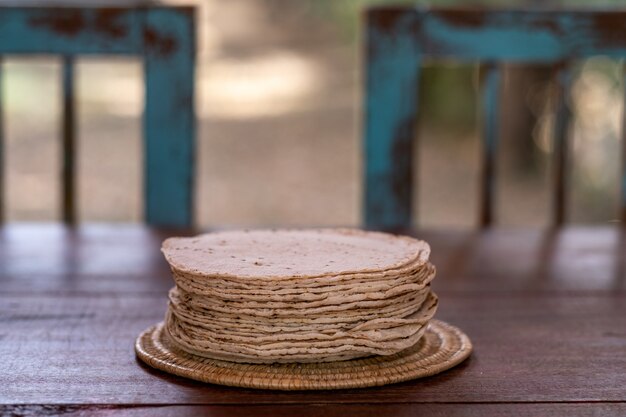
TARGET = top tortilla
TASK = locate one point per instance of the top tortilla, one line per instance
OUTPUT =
(285, 254)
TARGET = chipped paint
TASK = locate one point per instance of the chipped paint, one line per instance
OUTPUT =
(73, 22)
(63, 22)
(158, 43)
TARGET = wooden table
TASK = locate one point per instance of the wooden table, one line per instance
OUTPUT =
(546, 312)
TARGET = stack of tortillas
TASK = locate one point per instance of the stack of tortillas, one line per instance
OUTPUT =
(284, 296)
(301, 309)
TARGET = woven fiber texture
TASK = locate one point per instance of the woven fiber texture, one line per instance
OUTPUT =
(441, 347)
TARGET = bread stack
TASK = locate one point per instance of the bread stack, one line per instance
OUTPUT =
(282, 296)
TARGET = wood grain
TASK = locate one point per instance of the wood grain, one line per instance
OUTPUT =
(74, 349)
(335, 410)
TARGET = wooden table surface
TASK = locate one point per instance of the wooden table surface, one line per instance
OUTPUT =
(546, 311)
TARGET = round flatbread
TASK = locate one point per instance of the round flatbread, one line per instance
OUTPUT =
(287, 254)
(319, 295)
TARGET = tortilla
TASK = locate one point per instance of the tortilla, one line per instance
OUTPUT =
(274, 255)
(285, 296)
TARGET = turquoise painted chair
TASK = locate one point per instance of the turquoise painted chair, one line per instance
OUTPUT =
(164, 37)
(399, 38)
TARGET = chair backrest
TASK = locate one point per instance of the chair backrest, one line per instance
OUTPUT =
(399, 38)
(165, 38)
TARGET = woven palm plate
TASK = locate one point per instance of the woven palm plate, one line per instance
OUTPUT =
(442, 347)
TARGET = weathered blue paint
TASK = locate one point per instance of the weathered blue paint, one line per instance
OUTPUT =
(490, 100)
(390, 110)
(169, 120)
(564, 78)
(1, 140)
(511, 35)
(71, 31)
(493, 40)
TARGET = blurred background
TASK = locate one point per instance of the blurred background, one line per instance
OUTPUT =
(278, 103)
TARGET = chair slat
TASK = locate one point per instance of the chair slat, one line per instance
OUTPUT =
(393, 68)
(169, 122)
(2, 199)
(68, 142)
(476, 34)
(623, 161)
(91, 29)
(563, 81)
(491, 76)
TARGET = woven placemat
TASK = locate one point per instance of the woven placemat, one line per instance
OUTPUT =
(442, 347)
